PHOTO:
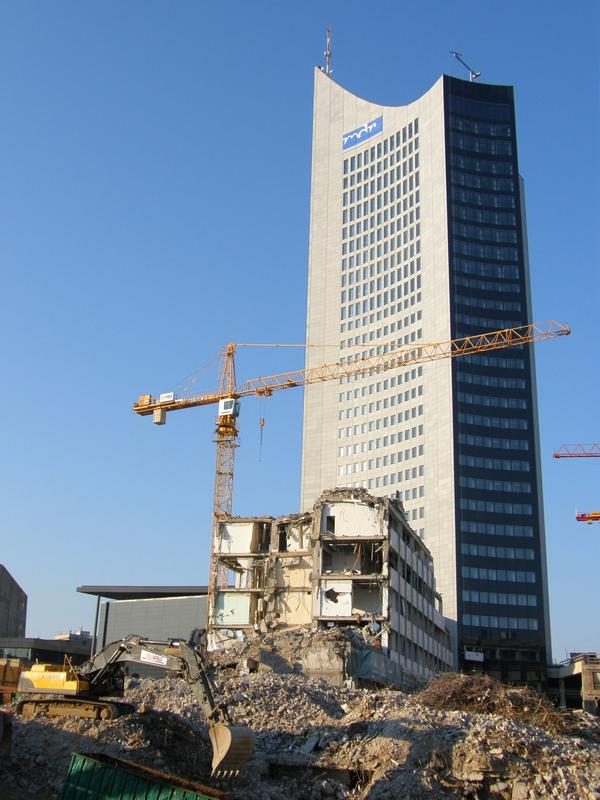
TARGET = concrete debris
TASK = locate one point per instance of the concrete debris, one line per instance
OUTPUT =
(315, 741)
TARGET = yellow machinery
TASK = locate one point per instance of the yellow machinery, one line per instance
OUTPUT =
(88, 691)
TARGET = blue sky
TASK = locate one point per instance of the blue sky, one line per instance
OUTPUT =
(155, 175)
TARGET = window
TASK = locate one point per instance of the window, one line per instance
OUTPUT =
(496, 529)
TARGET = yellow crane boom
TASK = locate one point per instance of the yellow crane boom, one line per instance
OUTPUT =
(229, 392)
(403, 357)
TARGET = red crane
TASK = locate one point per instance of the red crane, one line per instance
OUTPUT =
(581, 451)
(578, 451)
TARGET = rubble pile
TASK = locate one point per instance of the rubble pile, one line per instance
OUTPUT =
(283, 651)
(467, 738)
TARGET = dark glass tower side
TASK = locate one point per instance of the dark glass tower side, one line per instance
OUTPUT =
(499, 539)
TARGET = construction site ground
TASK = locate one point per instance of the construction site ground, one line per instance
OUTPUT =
(460, 736)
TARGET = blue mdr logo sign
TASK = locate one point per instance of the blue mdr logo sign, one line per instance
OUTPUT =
(360, 135)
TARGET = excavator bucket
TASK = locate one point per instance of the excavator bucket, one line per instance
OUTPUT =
(232, 747)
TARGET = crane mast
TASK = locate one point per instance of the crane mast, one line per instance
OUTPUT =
(226, 433)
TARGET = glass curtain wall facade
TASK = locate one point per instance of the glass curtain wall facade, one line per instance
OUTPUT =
(417, 235)
(499, 519)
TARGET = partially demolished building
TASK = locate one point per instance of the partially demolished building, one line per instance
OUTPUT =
(352, 561)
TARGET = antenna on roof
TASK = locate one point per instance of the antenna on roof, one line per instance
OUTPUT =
(328, 69)
(472, 73)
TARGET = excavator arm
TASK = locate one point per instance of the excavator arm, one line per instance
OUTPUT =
(102, 675)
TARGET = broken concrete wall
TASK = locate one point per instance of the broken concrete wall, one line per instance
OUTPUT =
(350, 519)
(235, 537)
(334, 598)
(231, 608)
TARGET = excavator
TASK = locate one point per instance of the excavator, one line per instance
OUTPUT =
(87, 690)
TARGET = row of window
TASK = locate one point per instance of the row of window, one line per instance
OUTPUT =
(490, 147)
(483, 128)
(507, 575)
(495, 112)
(496, 381)
(493, 551)
(487, 286)
(500, 235)
(354, 289)
(487, 322)
(372, 408)
(521, 509)
(485, 270)
(379, 268)
(492, 442)
(406, 163)
(384, 249)
(503, 464)
(380, 205)
(382, 302)
(485, 216)
(409, 394)
(380, 231)
(379, 198)
(499, 598)
(386, 202)
(399, 181)
(497, 361)
(491, 401)
(485, 302)
(483, 199)
(481, 165)
(356, 341)
(387, 383)
(377, 463)
(496, 529)
(506, 623)
(491, 183)
(518, 487)
(378, 316)
(495, 252)
(390, 458)
(407, 355)
(507, 423)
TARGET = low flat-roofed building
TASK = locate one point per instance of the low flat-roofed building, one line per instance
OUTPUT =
(575, 682)
(155, 612)
(47, 651)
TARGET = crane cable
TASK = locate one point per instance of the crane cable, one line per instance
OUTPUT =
(261, 424)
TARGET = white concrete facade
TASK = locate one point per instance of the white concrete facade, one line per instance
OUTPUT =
(417, 452)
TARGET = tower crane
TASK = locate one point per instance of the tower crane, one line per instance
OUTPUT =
(578, 451)
(228, 395)
(581, 451)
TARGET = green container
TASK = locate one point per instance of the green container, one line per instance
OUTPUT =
(95, 776)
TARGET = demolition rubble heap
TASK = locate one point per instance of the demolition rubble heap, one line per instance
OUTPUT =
(460, 736)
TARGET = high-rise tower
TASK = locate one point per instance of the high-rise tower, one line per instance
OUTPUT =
(417, 234)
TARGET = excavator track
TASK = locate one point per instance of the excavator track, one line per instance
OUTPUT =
(73, 707)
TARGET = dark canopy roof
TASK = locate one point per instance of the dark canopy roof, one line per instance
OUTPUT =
(142, 592)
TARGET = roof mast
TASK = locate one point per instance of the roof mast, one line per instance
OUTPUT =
(328, 69)
(458, 57)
